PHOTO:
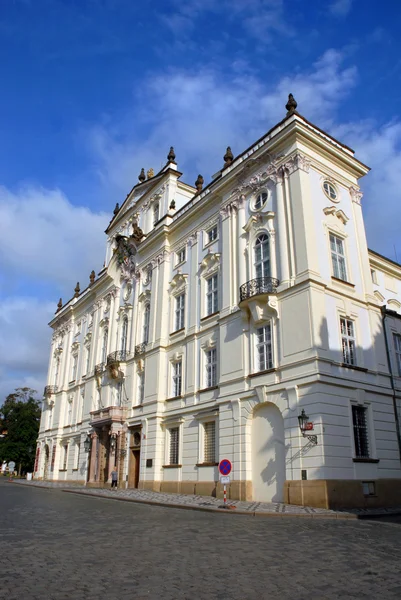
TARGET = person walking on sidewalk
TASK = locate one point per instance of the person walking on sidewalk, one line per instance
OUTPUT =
(114, 478)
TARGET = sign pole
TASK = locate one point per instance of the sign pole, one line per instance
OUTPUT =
(225, 495)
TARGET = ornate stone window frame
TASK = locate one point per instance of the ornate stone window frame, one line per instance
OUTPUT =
(331, 182)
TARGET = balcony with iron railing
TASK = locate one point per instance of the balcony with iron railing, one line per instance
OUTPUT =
(118, 356)
(50, 389)
(261, 286)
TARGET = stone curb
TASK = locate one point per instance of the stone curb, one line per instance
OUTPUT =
(216, 510)
(335, 515)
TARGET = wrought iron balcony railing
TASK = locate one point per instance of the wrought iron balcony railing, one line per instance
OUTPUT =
(50, 389)
(140, 349)
(99, 369)
(117, 357)
(260, 285)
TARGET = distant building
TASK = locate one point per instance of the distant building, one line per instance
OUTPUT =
(223, 312)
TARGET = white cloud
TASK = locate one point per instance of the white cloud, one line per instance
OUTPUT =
(45, 237)
(44, 241)
(340, 8)
(201, 114)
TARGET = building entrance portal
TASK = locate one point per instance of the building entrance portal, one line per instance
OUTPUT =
(134, 459)
(268, 454)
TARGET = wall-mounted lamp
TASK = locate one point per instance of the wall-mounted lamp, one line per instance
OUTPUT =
(305, 425)
(113, 442)
(87, 443)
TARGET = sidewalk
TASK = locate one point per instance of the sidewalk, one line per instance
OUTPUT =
(207, 503)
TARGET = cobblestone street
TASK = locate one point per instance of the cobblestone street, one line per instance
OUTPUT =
(56, 545)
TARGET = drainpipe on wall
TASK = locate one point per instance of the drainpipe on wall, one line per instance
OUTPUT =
(385, 313)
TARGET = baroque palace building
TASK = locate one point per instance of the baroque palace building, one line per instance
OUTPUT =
(246, 319)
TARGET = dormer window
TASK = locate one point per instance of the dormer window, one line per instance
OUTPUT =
(156, 211)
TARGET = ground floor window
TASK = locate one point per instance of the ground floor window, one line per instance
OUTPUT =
(361, 439)
(209, 442)
(174, 445)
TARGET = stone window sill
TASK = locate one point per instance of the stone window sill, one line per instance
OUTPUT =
(62, 470)
(343, 281)
(355, 367)
(71, 382)
(172, 466)
(208, 464)
(177, 331)
(173, 398)
(366, 460)
(210, 316)
(74, 470)
(272, 370)
(209, 389)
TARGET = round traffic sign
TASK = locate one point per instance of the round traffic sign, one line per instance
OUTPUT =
(225, 466)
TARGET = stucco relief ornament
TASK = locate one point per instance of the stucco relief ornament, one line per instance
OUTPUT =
(125, 254)
(356, 195)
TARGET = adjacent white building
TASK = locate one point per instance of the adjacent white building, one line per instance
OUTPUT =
(221, 314)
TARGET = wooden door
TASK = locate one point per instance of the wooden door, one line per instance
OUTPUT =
(134, 468)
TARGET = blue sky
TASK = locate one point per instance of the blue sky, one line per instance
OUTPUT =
(92, 90)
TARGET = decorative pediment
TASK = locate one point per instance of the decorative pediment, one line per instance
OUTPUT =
(259, 221)
(177, 356)
(378, 296)
(104, 322)
(394, 304)
(75, 347)
(145, 296)
(88, 339)
(340, 214)
(210, 263)
(209, 343)
(178, 282)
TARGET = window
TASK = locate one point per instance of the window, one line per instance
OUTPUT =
(338, 257)
(211, 367)
(177, 378)
(146, 321)
(211, 295)
(179, 312)
(74, 367)
(174, 445)
(262, 256)
(397, 348)
(56, 370)
(360, 432)
(181, 256)
(373, 275)
(156, 210)
(368, 488)
(209, 442)
(124, 335)
(69, 411)
(264, 348)
(104, 346)
(211, 235)
(260, 200)
(65, 456)
(120, 393)
(88, 355)
(141, 387)
(50, 418)
(330, 190)
(348, 341)
(80, 411)
(77, 451)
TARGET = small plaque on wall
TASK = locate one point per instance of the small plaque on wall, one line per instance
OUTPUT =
(149, 462)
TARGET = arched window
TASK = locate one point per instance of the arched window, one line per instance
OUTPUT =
(262, 256)
(146, 320)
(124, 335)
(104, 345)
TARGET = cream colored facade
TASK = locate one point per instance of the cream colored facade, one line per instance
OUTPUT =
(244, 302)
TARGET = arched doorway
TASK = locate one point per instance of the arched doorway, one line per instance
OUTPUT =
(268, 454)
(46, 465)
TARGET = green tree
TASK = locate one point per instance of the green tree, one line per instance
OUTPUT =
(19, 425)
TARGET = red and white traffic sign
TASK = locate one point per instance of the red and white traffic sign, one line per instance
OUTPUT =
(225, 466)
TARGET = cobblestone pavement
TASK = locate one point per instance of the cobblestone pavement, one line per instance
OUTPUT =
(56, 546)
(207, 502)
